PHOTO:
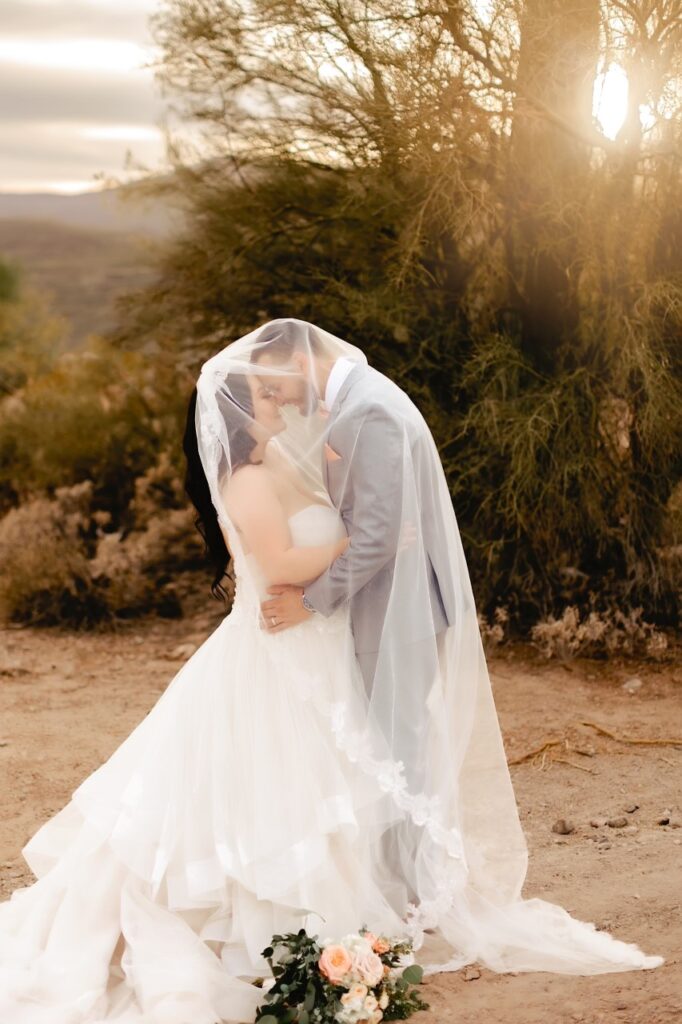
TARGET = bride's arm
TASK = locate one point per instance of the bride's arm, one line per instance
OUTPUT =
(254, 506)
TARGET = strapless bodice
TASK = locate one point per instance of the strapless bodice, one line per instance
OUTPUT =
(309, 527)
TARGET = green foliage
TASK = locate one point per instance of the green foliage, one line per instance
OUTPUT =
(29, 334)
(9, 282)
(98, 414)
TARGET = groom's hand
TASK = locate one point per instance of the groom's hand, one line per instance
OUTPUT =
(285, 609)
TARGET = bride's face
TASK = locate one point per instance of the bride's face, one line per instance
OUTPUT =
(294, 387)
(268, 419)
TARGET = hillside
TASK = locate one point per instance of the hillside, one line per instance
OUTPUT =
(81, 270)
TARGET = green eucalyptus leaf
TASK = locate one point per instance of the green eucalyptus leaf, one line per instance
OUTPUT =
(309, 996)
(413, 974)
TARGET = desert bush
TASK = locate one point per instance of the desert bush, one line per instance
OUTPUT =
(61, 563)
(137, 573)
(31, 336)
(493, 631)
(599, 634)
(87, 418)
(45, 576)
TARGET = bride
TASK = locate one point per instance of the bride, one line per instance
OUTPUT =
(269, 788)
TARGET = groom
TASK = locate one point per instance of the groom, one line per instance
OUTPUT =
(382, 473)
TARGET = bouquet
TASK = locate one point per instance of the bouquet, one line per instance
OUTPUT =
(360, 979)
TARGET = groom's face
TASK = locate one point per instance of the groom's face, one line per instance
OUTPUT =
(295, 386)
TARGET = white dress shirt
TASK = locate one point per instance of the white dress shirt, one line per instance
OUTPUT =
(337, 375)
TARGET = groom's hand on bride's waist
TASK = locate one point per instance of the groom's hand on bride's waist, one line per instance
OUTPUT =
(283, 609)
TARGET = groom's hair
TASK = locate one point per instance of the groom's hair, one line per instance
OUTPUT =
(281, 339)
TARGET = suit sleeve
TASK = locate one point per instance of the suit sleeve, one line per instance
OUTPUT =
(371, 507)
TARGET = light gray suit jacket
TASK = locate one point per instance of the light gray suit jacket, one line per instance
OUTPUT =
(368, 424)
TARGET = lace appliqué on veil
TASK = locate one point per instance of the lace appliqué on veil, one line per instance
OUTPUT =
(424, 810)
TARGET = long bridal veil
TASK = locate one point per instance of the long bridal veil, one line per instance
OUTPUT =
(431, 736)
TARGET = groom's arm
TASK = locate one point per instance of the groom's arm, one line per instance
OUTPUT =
(371, 504)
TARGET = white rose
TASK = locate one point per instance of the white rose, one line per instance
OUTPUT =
(369, 966)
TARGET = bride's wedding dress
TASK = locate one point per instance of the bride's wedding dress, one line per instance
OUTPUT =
(225, 816)
(239, 807)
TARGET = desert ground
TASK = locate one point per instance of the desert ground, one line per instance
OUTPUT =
(67, 699)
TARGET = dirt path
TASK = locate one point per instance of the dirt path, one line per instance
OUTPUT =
(67, 700)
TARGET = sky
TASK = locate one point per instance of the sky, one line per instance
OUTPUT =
(75, 95)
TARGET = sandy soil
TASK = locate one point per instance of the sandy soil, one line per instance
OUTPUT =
(67, 700)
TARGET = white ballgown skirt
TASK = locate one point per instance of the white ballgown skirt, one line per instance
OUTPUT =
(226, 815)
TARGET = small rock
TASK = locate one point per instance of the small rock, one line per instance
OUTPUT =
(4, 743)
(563, 827)
(471, 973)
(675, 821)
(587, 751)
(630, 830)
(604, 846)
(617, 822)
(664, 818)
(632, 685)
(621, 1006)
(597, 822)
(631, 808)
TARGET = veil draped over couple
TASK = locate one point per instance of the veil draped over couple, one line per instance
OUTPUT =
(330, 757)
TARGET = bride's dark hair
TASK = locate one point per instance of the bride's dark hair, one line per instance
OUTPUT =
(196, 484)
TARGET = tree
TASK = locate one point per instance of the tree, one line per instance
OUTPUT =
(433, 185)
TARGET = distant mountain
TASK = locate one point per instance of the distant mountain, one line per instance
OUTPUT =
(84, 251)
(81, 272)
(104, 210)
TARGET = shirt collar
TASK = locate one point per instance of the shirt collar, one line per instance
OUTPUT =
(337, 375)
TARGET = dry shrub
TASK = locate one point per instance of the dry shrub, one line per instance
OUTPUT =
(138, 572)
(59, 566)
(493, 632)
(599, 634)
(46, 577)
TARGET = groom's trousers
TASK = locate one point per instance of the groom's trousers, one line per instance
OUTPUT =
(416, 665)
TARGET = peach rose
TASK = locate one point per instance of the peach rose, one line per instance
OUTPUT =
(381, 945)
(370, 937)
(334, 963)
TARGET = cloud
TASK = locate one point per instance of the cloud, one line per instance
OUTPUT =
(72, 20)
(60, 153)
(73, 98)
(28, 94)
